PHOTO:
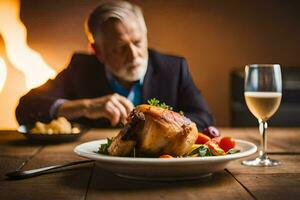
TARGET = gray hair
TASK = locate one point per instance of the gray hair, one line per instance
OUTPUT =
(117, 9)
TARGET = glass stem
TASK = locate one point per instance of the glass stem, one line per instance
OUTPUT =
(263, 142)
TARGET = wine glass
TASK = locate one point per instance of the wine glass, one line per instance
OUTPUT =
(263, 95)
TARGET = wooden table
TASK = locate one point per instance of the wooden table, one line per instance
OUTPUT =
(90, 182)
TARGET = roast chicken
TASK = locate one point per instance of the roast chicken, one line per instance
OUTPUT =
(154, 130)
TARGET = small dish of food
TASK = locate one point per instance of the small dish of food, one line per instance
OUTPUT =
(58, 130)
(160, 144)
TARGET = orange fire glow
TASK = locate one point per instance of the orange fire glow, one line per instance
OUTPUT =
(2, 73)
(25, 59)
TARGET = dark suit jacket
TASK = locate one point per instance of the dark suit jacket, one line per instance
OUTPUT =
(167, 79)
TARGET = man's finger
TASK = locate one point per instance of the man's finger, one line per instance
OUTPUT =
(122, 109)
(126, 103)
(113, 113)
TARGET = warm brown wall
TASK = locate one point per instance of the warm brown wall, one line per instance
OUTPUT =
(215, 36)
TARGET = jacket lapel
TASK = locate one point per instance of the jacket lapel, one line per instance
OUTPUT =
(151, 83)
(100, 85)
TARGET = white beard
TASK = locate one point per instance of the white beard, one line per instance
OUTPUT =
(127, 73)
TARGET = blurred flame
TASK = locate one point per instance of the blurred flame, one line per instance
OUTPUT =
(2, 73)
(22, 57)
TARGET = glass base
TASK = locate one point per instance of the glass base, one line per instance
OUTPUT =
(261, 162)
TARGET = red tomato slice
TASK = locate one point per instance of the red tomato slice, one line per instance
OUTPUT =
(202, 139)
(227, 143)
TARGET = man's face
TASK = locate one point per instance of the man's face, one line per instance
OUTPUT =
(122, 47)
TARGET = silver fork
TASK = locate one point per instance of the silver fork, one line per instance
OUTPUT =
(44, 170)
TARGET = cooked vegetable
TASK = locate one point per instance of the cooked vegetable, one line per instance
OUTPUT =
(232, 151)
(103, 147)
(166, 156)
(202, 139)
(217, 140)
(211, 132)
(215, 149)
(227, 143)
(194, 149)
(204, 150)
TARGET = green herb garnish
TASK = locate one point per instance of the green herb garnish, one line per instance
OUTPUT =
(232, 151)
(165, 106)
(153, 102)
(156, 102)
(204, 151)
(201, 151)
(103, 149)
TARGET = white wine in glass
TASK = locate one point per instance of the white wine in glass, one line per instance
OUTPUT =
(263, 104)
(263, 95)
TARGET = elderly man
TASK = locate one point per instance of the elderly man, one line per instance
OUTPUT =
(100, 89)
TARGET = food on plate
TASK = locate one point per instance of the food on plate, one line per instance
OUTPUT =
(212, 147)
(57, 126)
(202, 139)
(166, 156)
(217, 139)
(215, 149)
(227, 143)
(155, 130)
(211, 132)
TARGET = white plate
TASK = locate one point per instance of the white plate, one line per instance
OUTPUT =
(162, 168)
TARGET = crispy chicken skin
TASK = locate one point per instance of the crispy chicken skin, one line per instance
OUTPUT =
(155, 131)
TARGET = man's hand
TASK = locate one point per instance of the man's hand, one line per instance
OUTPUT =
(113, 107)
